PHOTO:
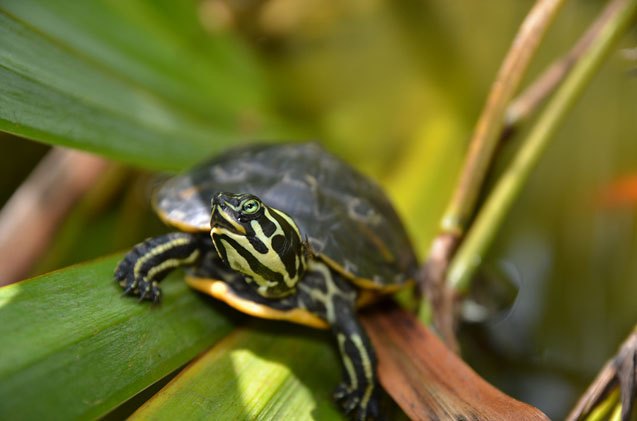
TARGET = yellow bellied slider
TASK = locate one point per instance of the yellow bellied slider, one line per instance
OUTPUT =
(283, 232)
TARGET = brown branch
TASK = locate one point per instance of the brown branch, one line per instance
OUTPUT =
(620, 371)
(32, 215)
(427, 380)
(487, 131)
(432, 284)
(533, 96)
(481, 149)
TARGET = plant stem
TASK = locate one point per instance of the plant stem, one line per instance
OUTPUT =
(511, 182)
(528, 101)
(483, 143)
(36, 209)
(613, 390)
(487, 132)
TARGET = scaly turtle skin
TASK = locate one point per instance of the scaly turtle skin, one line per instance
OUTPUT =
(283, 232)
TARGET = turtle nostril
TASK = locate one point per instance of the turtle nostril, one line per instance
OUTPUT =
(218, 199)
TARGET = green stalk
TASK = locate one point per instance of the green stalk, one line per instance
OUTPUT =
(486, 135)
(511, 182)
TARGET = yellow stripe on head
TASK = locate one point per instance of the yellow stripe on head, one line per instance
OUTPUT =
(262, 243)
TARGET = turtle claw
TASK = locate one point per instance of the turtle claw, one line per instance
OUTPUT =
(155, 293)
(135, 285)
(128, 290)
(150, 291)
(341, 392)
(347, 399)
(350, 401)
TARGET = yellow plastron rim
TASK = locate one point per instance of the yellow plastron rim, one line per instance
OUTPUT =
(221, 291)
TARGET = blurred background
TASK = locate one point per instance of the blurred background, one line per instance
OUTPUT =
(394, 88)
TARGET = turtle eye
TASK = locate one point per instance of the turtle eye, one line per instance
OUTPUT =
(250, 206)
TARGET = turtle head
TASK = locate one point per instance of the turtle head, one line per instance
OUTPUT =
(262, 243)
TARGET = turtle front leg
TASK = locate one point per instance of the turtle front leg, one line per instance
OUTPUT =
(333, 298)
(141, 270)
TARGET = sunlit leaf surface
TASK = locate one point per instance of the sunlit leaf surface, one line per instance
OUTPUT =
(274, 371)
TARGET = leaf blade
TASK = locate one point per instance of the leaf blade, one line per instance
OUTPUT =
(72, 346)
(162, 101)
(256, 373)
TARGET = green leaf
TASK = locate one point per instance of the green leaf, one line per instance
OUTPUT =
(131, 80)
(73, 347)
(274, 371)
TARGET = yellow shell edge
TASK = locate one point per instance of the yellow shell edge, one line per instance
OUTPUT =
(222, 292)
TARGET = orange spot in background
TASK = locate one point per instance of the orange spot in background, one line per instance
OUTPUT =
(619, 193)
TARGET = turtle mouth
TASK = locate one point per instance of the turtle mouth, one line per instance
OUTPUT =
(221, 221)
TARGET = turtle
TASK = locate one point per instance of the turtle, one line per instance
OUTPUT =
(287, 232)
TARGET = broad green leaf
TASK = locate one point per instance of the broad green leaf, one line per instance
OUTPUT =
(135, 80)
(274, 371)
(72, 347)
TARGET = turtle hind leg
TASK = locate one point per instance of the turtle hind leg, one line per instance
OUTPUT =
(141, 270)
(333, 298)
(358, 392)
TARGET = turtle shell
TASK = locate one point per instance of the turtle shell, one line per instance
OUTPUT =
(346, 217)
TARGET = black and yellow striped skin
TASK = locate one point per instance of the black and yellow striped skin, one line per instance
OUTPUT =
(300, 237)
(141, 270)
(264, 244)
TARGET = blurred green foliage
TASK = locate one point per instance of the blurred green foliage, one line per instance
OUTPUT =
(392, 87)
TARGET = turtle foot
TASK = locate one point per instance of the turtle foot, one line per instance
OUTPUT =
(358, 403)
(134, 281)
